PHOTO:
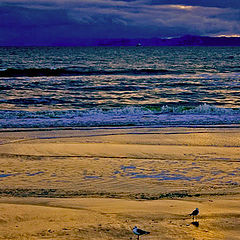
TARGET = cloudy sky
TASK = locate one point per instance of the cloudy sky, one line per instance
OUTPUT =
(65, 22)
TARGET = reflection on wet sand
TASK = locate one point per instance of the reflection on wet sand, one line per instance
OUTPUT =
(195, 223)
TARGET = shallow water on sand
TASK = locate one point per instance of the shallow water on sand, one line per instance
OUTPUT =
(126, 161)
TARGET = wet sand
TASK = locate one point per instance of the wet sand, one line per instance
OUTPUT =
(97, 183)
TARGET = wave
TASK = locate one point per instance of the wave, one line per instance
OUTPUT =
(29, 101)
(37, 72)
(135, 116)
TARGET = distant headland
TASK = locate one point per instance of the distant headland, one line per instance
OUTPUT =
(187, 40)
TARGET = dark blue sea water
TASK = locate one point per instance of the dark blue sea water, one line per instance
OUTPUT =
(161, 86)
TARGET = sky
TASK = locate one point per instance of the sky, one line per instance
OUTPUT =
(66, 22)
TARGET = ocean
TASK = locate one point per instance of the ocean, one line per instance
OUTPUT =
(42, 87)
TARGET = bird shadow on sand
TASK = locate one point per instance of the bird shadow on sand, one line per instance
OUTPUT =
(195, 223)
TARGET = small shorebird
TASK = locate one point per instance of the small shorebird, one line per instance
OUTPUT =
(194, 213)
(139, 232)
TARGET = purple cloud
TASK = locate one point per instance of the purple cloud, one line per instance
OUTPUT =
(41, 22)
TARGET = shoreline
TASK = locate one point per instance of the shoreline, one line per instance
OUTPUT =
(200, 126)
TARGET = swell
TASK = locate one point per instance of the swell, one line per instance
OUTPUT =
(35, 72)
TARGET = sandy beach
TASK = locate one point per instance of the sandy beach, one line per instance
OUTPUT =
(98, 183)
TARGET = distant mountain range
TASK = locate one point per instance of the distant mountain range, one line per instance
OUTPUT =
(187, 40)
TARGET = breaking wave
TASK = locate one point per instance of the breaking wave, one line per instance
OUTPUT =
(35, 72)
(135, 116)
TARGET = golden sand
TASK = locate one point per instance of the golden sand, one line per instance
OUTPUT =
(98, 183)
(98, 218)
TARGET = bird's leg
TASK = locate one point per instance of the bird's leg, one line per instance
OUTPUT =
(138, 237)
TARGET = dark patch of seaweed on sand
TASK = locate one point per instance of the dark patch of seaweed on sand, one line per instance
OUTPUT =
(61, 193)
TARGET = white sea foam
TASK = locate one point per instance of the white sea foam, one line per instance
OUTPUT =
(162, 116)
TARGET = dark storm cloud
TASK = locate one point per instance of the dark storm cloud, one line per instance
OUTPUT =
(64, 22)
(18, 17)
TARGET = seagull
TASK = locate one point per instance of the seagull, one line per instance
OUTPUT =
(139, 232)
(194, 213)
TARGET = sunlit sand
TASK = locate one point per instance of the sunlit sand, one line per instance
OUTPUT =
(98, 183)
